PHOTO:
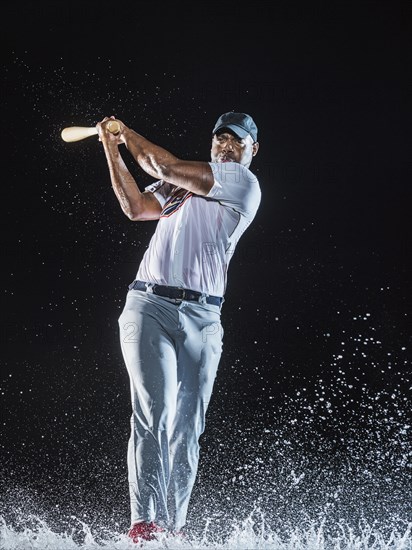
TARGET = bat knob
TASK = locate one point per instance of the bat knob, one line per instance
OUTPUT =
(113, 127)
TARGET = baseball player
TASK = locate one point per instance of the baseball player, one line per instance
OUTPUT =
(170, 330)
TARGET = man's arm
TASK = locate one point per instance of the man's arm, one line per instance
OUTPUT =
(136, 205)
(195, 176)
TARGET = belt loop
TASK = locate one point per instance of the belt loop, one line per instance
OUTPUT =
(202, 298)
(149, 287)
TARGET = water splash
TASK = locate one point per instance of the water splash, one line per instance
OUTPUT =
(249, 534)
(295, 477)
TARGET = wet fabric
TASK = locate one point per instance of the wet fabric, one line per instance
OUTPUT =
(171, 350)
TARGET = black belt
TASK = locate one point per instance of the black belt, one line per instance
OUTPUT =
(175, 292)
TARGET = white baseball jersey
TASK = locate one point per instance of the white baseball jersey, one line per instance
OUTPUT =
(196, 235)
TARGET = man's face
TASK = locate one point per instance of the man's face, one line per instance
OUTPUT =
(228, 147)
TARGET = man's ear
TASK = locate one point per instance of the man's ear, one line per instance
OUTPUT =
(255, 148)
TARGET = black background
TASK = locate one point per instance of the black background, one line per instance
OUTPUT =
(317, 308)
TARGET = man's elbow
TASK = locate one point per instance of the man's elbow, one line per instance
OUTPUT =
(131, 214)
(143, 216)
(148, 208)
(133, 217)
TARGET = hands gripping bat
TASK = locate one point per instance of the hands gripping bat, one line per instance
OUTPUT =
(76, 133)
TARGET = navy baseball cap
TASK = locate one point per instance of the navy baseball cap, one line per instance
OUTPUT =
(240, 123)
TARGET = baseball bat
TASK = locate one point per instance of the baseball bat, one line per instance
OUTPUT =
(76, 133)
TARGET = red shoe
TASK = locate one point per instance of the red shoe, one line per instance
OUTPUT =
(144, 531)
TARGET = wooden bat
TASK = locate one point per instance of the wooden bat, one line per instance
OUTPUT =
(76, 133)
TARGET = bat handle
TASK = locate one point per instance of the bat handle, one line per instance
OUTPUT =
(113, 127)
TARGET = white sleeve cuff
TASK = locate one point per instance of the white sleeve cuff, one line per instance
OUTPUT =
(215, 189)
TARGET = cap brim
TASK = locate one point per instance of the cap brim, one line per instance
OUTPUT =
(238, 130)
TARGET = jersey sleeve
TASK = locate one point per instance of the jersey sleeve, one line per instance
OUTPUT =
(235, 186)
(161, 191)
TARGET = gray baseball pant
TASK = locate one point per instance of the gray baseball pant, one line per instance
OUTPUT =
(171, 350)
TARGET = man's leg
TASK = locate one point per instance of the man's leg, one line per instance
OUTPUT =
(199, 352)
(150, 359)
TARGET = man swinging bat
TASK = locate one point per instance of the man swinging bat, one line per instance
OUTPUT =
(170, 330)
